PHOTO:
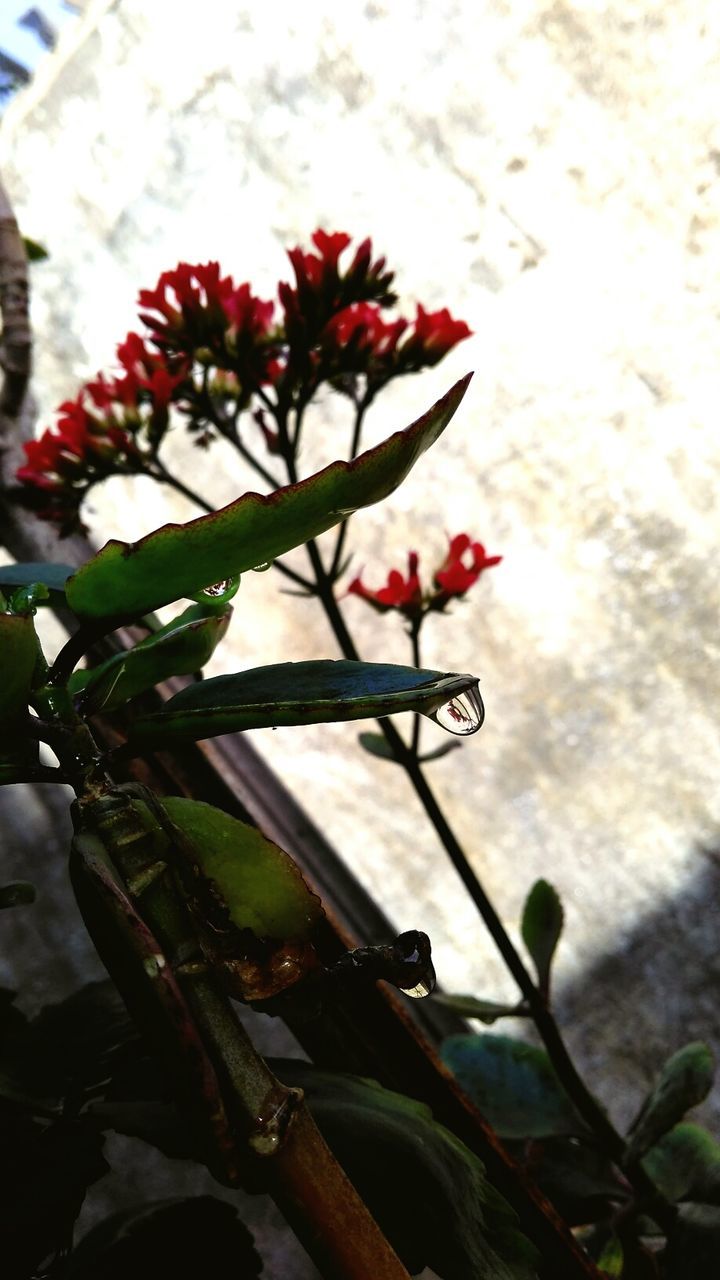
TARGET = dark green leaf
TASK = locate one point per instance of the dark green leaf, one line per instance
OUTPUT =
(127, 579)
(487, 1011)
(685, 1164)
(292, 693)
(513, 1084)
(200, 1237)
(542, 923)
(35, 251)
(72, 1044)
(22, 575)
(157, 1123)
(177, 649)
(17, 893)
(376, 745)
(44, 1174)
(428, 1192)
(684, 1081)
(693, 1250)
(580, 1181)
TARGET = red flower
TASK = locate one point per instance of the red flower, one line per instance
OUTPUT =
(359, 336)
(461, 568)
(84, 447)
(432, 336)
(322, 288)
(403, 594)
(194, 308)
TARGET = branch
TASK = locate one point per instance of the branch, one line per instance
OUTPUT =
(16, 351)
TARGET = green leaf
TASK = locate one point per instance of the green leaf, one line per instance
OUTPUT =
(18, 893)
(127, 579)
(611, 1258)
(260, 884)
(376, 745)
(685, 1164)
(542, 923)
(487, 1011)
(428, 1192)
(18, 656)
(177, 649)
(54, 576)
(18, 653)
(292, 693)
(684, 1081)
(35, 251)
(513, 1084)
(198, 1236)
(576, 1177)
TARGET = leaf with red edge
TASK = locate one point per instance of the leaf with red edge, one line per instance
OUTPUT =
(126, 579)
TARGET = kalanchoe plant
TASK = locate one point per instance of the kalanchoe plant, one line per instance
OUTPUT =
(186, 905)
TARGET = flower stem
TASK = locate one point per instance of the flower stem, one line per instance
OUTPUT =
(342, 532)
(584, 1101)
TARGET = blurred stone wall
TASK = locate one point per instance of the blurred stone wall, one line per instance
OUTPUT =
(550, 171)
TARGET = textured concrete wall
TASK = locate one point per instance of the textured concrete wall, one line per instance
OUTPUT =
(551, 172)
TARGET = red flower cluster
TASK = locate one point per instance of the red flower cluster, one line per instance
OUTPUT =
(213, 349)
(460, 570)
(202, 315)
(96, 434)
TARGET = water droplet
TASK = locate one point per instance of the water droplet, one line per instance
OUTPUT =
(462, 715)
(414, 973)
(263, 568)
(219, 592)
(423, 988)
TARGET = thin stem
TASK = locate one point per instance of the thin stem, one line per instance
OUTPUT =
(34, 773)
(586, 1104)
(161, 473)
(342, 532)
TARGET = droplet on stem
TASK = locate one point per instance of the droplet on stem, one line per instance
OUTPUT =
(462, 715)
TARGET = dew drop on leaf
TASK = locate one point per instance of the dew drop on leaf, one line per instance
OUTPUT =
(263, 568)
(219, 592)
(462, 715)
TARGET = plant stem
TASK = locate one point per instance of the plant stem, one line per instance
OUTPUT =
(585, 1103)
(354, 446)
(161, 473)
(244, 1112)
